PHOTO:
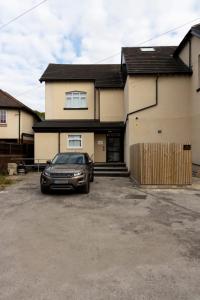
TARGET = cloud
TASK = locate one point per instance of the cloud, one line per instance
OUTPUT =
(78, 31)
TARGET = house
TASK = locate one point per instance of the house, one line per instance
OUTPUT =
(152, 96)
(16, 120)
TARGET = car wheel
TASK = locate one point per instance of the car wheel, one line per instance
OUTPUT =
(44, 190)
(92, 177)
(86, 188)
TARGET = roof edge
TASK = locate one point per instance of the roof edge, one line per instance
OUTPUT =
(22, 106)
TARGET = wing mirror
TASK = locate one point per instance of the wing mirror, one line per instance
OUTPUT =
(48, 162)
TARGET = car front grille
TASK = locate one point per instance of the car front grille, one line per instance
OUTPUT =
(62, 175)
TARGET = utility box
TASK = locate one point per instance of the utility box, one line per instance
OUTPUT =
(12, 169)
(161, 163)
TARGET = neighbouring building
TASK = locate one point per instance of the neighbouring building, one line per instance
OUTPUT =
(16, 120)
(152, 96)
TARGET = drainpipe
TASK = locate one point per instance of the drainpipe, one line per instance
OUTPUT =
(147, 107)
(190, 57)
(19, 127)
(59, 142)
(99, 102)
(95, 103)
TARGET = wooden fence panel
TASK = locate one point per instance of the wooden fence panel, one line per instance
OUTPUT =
(161, 163)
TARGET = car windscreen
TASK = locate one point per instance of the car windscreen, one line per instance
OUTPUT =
(69, 158)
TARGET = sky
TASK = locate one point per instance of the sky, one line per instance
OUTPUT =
(78, 32)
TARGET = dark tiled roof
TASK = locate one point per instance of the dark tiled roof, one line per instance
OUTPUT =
(76, 125)
(103, 75)
(160, 61)
(8, 101)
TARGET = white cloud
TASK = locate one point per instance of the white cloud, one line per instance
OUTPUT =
(78, 31)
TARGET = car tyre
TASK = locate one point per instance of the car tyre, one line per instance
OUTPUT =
(92, 177)
(44, 190)
(86, 188)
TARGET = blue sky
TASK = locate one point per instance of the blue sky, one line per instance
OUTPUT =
(63, 31)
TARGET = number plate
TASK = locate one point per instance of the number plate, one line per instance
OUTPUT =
(61, 181)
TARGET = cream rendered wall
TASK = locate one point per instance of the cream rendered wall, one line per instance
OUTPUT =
(194, 95)
(55, 100)
(27, 122)
(184, 55)
(142, 92)
(111, 105)
(46, 146)
(11, 129)
(87, 143)
(195, 99)
(126, 110)
(170, 115)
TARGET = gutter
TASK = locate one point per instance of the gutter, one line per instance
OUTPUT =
(147, 107)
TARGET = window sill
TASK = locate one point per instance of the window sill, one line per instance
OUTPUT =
(75, 148)
(3, 124)
(198, 90)
(71, 108)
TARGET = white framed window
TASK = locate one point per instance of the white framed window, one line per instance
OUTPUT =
(76, 100)
(75, 141)
(3, 116)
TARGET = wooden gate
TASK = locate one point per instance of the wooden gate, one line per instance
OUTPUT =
(161, 163)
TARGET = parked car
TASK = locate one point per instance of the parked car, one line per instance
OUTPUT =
(68, 171)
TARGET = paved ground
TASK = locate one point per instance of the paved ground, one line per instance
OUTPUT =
(118, 242)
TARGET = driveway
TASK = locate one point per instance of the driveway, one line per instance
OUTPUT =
(118, 242)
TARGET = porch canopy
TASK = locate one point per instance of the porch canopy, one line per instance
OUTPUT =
(78, 126)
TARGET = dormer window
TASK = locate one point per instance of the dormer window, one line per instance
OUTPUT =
(147, 49)
(76, 100)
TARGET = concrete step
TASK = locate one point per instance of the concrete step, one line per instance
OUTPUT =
(112, 173)
(120, 164)
(110, 169)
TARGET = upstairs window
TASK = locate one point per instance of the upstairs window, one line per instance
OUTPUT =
(3, 116)
(76, 100)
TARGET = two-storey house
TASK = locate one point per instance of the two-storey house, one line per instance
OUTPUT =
(16, 120)
(152, 96)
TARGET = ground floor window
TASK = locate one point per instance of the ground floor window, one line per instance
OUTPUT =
(3, 116)
(75, 141)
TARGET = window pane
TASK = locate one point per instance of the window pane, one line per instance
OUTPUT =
(2, 116)
(76, 100)
(74, 137)
(75, 143)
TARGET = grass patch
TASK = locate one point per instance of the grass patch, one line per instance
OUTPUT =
(4, 180)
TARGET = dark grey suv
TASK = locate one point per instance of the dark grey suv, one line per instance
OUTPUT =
(68, 171)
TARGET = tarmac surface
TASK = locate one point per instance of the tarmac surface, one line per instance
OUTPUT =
(117, 242)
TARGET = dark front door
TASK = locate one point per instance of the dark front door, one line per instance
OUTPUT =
(114, 147)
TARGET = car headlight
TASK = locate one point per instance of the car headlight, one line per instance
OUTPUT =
(46, 173)
(78, 173)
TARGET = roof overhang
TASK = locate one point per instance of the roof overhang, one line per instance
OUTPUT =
(78, 126)
(191, 32)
